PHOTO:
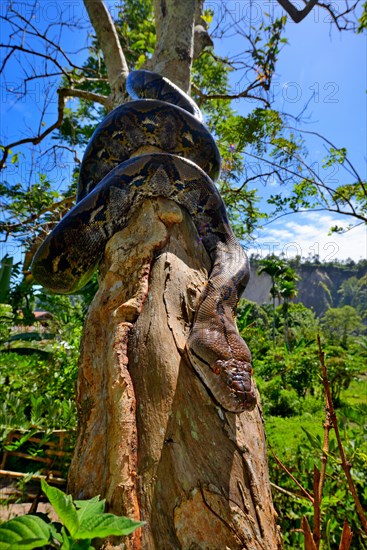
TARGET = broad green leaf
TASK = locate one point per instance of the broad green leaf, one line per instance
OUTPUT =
(89, 508)
(104, 525)
(24, 533)
(315, 441)
(69, 543)
(82, 545)
(66, 540)
(63, 506)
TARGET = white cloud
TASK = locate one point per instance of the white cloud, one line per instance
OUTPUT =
(308, 236)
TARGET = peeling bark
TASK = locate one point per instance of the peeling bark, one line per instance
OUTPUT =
(151, 440)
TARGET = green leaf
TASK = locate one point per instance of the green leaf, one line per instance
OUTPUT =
(66, 539)
(24, 533)
(63, 506)
(104, 525)
(89, 508)
(82, 545)
(315, 442)
(69, 543)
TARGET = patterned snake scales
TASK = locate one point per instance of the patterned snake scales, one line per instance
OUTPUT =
(123, 165)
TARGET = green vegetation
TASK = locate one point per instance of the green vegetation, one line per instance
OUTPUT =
(38, 355)
(38, 365)
(81, 522)
(287, 369)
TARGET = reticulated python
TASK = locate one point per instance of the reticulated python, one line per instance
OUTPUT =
(123, 165)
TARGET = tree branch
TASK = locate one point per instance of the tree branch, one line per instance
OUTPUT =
(38, 54)
(63, 93)
(108, 40)
(334, 194)
(63, 205)
(244, 93)
(297, 15)
(305, 493)
(348, 24)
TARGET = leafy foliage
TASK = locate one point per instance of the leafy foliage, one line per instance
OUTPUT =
(300, 451)
(287, 373)
(281, 338)
(341, 323)
(81, 522)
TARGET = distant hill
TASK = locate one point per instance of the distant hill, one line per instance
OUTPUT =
(318, 287)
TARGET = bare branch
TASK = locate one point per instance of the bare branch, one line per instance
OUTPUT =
(63, 93)
(89, 96)
(55, 148)
(38, 34)
(244, 93)
(288, 493)
(334, 194)
(305, 493)
(297, 15)
(347, 161)
(348, 24)
(108, 40)
(38, 54)
(6, 59)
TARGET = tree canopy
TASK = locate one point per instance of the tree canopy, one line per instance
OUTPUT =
(72, 90)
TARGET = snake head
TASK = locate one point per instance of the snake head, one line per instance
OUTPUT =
(239, 394)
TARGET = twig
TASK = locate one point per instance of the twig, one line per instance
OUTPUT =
(309, 542)
(347, 536)
(325, 449)
(345, 464)
(316, 506)
(63, 93)
(38, 54)
(244, 94)
(319, 480)
(289, 493)
(280, 463)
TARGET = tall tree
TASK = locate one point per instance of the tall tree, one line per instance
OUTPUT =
(274, 267)
(287, 288)
(151, 439)
(158, 462)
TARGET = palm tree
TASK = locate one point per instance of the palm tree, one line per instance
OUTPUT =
(287, 288)
(274, 267)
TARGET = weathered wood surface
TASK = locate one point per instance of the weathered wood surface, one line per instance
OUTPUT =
(151, 440)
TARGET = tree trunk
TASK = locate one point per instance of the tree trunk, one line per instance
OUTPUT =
(151, 440)
(173, 54)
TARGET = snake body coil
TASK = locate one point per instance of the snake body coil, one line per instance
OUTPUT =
(123, 165)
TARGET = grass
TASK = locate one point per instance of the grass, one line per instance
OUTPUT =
(286, 434)
(356, 394)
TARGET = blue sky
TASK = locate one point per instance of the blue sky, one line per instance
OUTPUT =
(317, 60)
(331, 65)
